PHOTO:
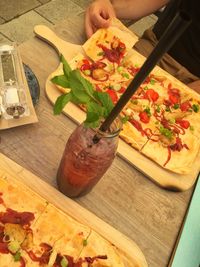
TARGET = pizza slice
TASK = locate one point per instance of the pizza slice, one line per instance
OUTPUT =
(111, 44)
(17, 205)
(68, 251)
(98, 252)
(192, 121)
(176, 144)
(172, 152)
(61, 234)
(139, 124)
(19, 210)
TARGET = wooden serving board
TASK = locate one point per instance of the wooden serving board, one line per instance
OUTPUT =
(159, 175)
(130, 252)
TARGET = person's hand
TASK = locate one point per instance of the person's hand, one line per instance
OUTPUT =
(98, 15)
(195, 86)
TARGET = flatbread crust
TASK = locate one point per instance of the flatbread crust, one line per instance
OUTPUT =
(105, 37)
(180, 162)
(96, 245)
(68, 235)
(52, 236)
(16, 197)
(132, 136)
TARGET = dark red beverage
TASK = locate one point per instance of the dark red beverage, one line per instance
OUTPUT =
(84, 162)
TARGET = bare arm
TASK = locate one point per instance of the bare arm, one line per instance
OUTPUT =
(99, 12)
(136, 9)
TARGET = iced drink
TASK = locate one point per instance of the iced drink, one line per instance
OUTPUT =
(84, 162)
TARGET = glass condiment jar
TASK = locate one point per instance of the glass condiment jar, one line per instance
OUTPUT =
(84, 161)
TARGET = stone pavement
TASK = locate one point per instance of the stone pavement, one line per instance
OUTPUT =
(18, 17)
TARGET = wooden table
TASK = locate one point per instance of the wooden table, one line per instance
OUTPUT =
(124, 197)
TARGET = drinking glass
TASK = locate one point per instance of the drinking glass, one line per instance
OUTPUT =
(86, 159)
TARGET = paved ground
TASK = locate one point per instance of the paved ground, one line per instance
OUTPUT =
(18, 17)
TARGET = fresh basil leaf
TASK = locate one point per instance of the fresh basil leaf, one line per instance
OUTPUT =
(92, 117)
(79, 82)
(98, 104)
(86, 85)
(95, 107)
(74, 99)
(77, 88)
(94, 124)
(61, 80)
(66, 68)
(92, 120)
(106, 101)
(61, 102)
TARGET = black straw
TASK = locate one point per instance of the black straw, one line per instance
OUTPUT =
(178, 25)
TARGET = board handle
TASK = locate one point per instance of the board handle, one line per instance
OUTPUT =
(61, 46)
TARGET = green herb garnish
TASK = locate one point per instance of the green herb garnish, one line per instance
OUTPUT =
(191, 128)
(167, 109)
(176, 106)
(125, 75)
(85, 242)
(64, 262)
(195, 107)
(134, 101)
(148, 111)
(172, 121)
(157, 108)
(17, 256)
(101, 53)
(125, 119)
(120, 69)
(146, 88)
(117, 87)
(152, 82)
(14, 246)
(87, 72)
(98, 104)
(166, 132)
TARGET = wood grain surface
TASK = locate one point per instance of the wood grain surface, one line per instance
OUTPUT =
(163, 177)
(124, 197)
(130, 252)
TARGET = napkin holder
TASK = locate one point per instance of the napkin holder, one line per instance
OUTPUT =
(16, 107)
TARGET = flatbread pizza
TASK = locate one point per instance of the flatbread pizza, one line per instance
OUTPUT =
(162, 119)
(34, 233)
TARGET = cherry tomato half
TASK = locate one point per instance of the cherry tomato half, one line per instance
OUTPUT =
(144, 117)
